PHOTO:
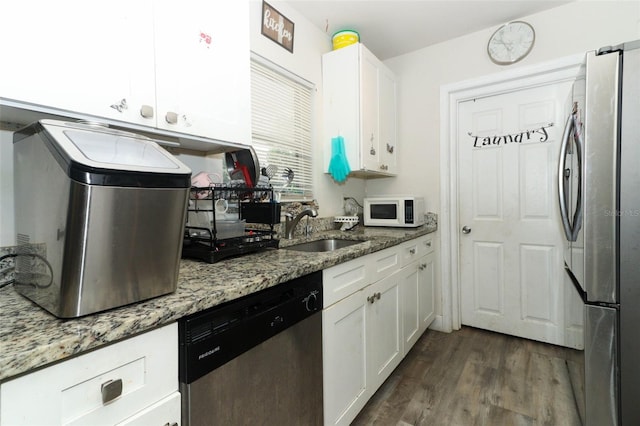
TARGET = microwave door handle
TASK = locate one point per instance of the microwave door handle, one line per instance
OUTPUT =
(564, 214)
(577, 217)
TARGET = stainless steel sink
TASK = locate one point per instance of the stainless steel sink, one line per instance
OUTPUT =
(330, 244)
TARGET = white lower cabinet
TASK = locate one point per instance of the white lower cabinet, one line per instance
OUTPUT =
(384, 345)
(361, 347)
(378, 307)
(132, 382)
(417, 299)
(346, 387)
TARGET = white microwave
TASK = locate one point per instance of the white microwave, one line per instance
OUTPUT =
(400, 211)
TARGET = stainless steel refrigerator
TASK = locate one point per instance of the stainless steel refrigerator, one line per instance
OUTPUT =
(599, 197)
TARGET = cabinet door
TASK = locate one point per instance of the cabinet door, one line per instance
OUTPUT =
(411, 324)
(72, 56)
(369, 110)
(345, 386)
(426, 291)
(384, 348)
(388, 126)
(202, 68)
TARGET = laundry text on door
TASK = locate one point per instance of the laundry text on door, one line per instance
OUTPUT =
(539, 134)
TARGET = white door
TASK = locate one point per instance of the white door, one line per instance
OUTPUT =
(511, 266)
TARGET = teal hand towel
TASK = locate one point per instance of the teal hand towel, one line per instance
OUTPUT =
(339, 165)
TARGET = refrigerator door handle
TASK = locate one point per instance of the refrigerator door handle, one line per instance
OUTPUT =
(570, 230)
(564, 214)
(577, 216)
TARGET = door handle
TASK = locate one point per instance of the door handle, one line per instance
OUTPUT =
(562, 194)
(466, 230)
(571, 228)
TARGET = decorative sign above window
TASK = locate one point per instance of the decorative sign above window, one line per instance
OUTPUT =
(277, 27)
(539, 134)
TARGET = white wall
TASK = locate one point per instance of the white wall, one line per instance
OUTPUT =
(574, 28)
(306, 62)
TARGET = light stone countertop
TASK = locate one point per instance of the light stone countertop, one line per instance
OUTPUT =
(31, 338)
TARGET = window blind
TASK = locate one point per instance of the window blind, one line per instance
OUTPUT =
(281, 127)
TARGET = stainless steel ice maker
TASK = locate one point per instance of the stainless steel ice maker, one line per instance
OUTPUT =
(105, 211)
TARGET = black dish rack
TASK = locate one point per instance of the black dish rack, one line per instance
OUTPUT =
(254, 205)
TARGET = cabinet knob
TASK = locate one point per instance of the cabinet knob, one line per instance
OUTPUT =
(121, 106)
(377, 295)
(384, 167)
(111, 389)
(412, 251)
(390, 149)
(427, 243)
(422, 266)
(371, 299)
(171, 117)
(146, 111)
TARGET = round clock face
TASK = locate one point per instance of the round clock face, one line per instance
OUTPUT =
(511, 42)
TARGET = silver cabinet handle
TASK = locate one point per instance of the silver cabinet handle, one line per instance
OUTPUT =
(111, 389)
(146, 111)
(412, 251)
(390, 149)
(466, 230)
(171, 117)
(422, 266)
(374, 297)
(427, 243)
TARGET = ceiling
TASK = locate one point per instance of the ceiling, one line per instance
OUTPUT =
(393, 27)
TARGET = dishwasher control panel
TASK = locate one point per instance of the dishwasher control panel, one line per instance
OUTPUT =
(211, 338)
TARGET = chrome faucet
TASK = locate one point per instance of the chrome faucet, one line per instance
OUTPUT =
(291, 222)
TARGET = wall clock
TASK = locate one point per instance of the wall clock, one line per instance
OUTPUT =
(511, 42)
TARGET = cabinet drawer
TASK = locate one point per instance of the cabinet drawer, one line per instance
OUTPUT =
(344, 279)
(409, 252)
(415, 249)
(384, 263)
(426, 245)
(71, 393)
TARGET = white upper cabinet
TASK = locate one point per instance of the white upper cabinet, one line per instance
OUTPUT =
(202, 68)
(76, 56)
(181, 66)
(360, 105)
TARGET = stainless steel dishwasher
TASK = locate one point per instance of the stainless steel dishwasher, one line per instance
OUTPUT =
(255, 360)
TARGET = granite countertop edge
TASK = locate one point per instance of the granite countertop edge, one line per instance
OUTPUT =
(31, 338)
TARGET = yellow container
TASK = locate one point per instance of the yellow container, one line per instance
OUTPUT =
(345, 38)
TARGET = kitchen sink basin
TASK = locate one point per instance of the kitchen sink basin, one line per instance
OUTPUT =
(323, 245)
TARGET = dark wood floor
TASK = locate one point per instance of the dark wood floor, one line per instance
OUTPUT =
(475, 377)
